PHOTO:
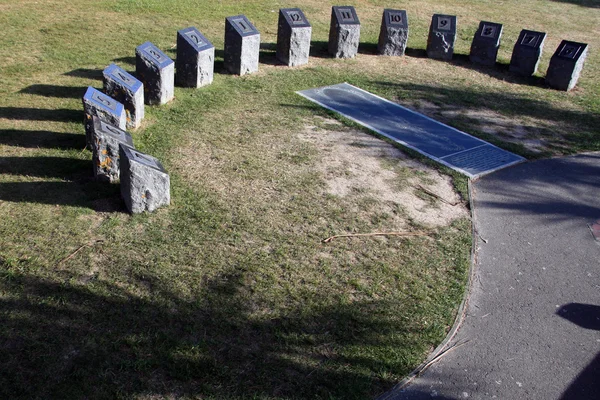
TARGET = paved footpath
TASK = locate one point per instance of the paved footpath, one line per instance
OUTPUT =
(532, 325)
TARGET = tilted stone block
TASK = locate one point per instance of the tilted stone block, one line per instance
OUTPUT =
(145, 185)
(442, 35)
(393, 35)
(195, 62)
(527, 53)
(96, 103)
(293, 37)
(566, 65)
(105, 149)
(157, 72)
(242, 46)
(127, 89)
(486, 42)
(344, 32)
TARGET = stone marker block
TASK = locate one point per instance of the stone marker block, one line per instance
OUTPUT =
(105, 149)
(96, 103)
(195, 62)
(393, 35)
(145, 185)
(442, 35)
(125, 88)
(566, 65)
(293, 37)
(242, 46)
(527, 53)
(344, 32)
(486, 42)
(157, 72)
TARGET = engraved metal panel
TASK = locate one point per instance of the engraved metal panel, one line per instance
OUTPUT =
(104, 101)
(346, 15)
(395, 18)
(444, 23)
(489, 31)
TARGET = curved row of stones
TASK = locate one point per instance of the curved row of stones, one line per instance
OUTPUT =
(145, 185)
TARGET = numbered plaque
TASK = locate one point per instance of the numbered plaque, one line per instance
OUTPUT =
(393, 35)
(527, 52)
(293, 37)
(157, 72)
(145, 185)
(442, 35)
(96, 103)
(125, 88)
(344, 32)
(486, 42)
(566, 65)
(195, 59)
(105, 149)
(242, 46)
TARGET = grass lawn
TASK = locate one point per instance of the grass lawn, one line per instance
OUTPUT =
(230, 293)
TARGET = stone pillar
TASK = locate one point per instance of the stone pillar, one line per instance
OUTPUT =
(105, 149)
(393, 35)
(344, 32)
(157, 72)
(242, 46)
(195, 62)
(293, 37)
(566, 65)
(96, 103)
(442, 35)
(527, 53)
(486, 42)
(125, 88)
(145, 185)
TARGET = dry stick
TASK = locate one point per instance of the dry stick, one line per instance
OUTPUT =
(404, 234)
(429, 192)
(77, 251)
(442, 354)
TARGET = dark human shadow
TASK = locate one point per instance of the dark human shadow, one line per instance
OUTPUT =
(78, 336)
(47, 167)
(40, 114)
(46, 139)
(583, 315)
(85, 73)
(582, 3)
(65, 92)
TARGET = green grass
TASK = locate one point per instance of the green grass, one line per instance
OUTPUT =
(229, 292)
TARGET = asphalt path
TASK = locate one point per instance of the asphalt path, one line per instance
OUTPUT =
(532, 323)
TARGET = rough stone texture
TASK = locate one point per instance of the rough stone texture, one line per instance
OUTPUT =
(105, 149)
(393, 35)
(157, 72)
(195, 62)
(442, 35)
(566, 65)
(96, 103)
(527, 53)
(145, 185)
(486, 42)
(344, 32)
(293, 37)
(242, 46)
(125, 88)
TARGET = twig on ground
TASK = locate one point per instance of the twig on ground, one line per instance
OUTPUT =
(437, 196)
(77, 251)
(403, 234)
(442, 354)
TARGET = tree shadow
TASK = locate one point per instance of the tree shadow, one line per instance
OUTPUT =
(46, 139)
(64, 92)
(39, 114)
(82, 337)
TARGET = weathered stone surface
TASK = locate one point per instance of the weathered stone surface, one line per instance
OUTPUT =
(145, 185)
(195, 62)
(157, 72)
(486, 42)
(105, 149)
(344, 32)
(566, 65)
(527, 52)
(442, 35)
(393, 35)
(242, 46)
(293, 37)
(96, 103)
(125, 88)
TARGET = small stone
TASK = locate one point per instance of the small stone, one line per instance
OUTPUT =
(486, 42)
(344, 32)
(242, 46)
(566, 65)
(105, 149)
(125, 88)
(96, 103)
(145, 185)
(293, 37)
(393, 35)
(195, 62)
(527, 53)
(442, 35)
(157, 72)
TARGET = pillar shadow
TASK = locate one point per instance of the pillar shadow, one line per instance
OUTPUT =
(127, 60)
(85, 73)
(41, 138)
(63, 92)
(47, 167)
(40, 114)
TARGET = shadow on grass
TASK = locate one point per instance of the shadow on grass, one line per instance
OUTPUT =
(582, 3)
(81, 337)
(499, 71)
(47, 167)
(85, 73)
(41, 114)
(64, 92)
(45, 139)
(126, 60)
